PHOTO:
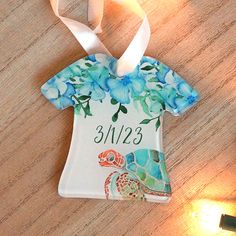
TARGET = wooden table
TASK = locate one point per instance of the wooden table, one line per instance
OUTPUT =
(196, 38)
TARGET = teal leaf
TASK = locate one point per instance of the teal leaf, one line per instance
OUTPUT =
(145, 122)
(124, 109)
(113, 101)
(77, 109)
(145, 106)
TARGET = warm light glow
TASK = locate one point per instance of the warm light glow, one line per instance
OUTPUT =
(133, 6)
(209, 216)
(206, 216)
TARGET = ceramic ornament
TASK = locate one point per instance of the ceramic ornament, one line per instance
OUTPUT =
(116, 149)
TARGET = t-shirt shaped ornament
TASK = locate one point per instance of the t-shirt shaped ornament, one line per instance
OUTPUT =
(116, 149)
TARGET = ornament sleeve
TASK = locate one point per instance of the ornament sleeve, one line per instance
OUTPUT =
(168, 90)
(63, 88)
(179, 96)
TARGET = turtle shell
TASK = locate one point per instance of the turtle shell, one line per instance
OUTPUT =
(149, 168)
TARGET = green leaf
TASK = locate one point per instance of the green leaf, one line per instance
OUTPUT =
(145, 122)
(115, 117)
(84, 97)
(88, 64)
(158, 123)
(72, 79)
(87, 110)
(147, 68)
(159, 86)
(113, 101)
(123, 109)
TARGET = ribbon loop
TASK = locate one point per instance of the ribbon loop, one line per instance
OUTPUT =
(92, 44)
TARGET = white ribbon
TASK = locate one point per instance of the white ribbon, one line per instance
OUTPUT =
(92, 44)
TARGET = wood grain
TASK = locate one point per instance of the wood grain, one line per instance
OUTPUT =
(196, 38)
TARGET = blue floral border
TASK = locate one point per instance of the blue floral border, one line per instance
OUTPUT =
(152, 84)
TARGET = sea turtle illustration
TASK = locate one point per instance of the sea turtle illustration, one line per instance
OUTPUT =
(141, 172)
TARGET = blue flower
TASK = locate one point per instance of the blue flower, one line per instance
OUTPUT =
(179, 99)
(91, 58)
(188, 97)
(162, 73)
(120, 89)
(93, 82)
(59, 92)
(168, 93)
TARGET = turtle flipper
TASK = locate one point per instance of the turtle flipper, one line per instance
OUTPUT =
(110, 184)
(123, 184)
(165, 193)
